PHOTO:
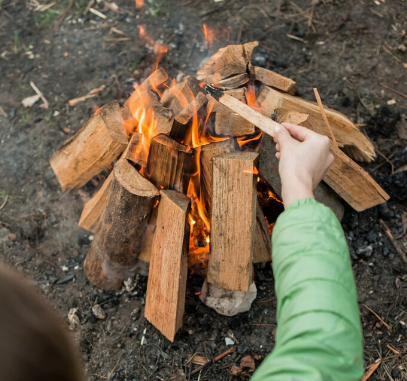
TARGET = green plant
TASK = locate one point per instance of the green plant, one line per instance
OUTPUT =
(155, 7)
(16, 38)
(46, 19)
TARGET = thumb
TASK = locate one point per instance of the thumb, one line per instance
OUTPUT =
(281, 135)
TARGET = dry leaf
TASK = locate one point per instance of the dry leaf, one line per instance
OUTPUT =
(30, 101)
(235, 370)
(248, 362)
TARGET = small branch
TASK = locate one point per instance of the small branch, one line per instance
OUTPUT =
(63, 16)
(370, 370)
(4, 202)
(321, 108)
(394, 90)
(393, 241)
(375, 314)
(215, 359)
(40, 94)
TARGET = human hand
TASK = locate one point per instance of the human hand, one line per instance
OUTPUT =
(304, 160)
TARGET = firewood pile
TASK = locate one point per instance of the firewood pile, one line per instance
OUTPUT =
(195, 178)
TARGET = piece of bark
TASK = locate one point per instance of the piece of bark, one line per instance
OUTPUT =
(180, 95)
(93, 210)
(166, 288)
(268, 166)
(228, 123)
(114, 252)
(169, 164)
(182, 120)
(233, 221)
(353, 183)
(208, 152)
(226, 62)
(273, 79)
(262, 238)
(347, 135)
(92, 149)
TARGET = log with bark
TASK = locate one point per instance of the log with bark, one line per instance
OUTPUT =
(166, 288)
(119, 240)
(233, 221)
(92, 149)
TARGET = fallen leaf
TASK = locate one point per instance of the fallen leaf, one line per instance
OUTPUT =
(235, 370)
(248, 362)
(30, 101)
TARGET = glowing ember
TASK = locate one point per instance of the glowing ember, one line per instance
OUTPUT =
(139, 4)
(208, 34)
(159, 48)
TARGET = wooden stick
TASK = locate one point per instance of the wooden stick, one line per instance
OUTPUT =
(375, 314)
(233, 221)
(393, 241)
(114, 252)
(92, 149)
(262, 238)
(394, 90)
(321, 108)
(370, 370)
(273, 79)
(215, 359)
(166, 289)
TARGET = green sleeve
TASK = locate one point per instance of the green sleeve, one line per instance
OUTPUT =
(319, 336)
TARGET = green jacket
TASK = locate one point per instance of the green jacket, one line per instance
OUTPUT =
(319, 336)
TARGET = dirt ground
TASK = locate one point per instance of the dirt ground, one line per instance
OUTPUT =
(350, 50)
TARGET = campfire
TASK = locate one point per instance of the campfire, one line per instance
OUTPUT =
(195, 182)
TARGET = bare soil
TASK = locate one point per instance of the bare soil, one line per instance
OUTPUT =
(348, 49)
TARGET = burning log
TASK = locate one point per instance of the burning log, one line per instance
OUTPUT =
(208, 152)
(226, 62)
(92, 149)
(262, 238)
(273, 79)
(165, 301)
(163, 115)
(233, 221)
(181, 121)
(135, 152)
(169, 164)
(354, 142)
(114, 251)
(228, 123)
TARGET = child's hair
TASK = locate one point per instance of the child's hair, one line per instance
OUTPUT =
(34, 345)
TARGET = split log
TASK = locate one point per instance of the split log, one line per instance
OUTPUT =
(233, 82)
(228, 123)
(163, 115)
(114, 252)
(226, 62)
(166, 288)
(182, 120)
(93, 210)
(268, 166)
(135, 151)
(262, 238)
(180, 95)
(92, 149)
(208, 152)
(233, 221)
(169, 164)
(354, 142)
(273, 79)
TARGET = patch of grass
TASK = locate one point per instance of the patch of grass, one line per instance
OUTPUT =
(155, 7)
(46, 19)
(134, 63)
(16, 39)
(25, 116)
(48, 118)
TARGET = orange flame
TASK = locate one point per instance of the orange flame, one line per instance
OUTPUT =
(159, 48)
(208, 34)
(139, 4)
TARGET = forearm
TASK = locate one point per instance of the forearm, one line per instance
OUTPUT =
(318, 333)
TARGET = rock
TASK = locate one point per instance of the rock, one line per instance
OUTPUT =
(386, 119)
(229, 341)
(98, 312)
(372, 237)
(364, 251)
(4, 235)
(73, 319)
(226, 302)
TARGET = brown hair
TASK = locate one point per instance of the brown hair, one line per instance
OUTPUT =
(34, 345)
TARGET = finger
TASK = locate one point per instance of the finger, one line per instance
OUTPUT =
(282, 137)
(298, 132)
(278, 146)
(278, 155)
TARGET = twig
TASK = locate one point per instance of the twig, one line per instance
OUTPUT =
(296, 38)
(63, 16)
(388, 160)
(90, 5)
(370, 370)
(375, 314)
(393, 241)
(41, 95)
(321, 109)
(4, 202)
(217, 358)
(394, 90)
(2, 112)
(404, 221)
(97, 13)
(115, 367)
(395, 351)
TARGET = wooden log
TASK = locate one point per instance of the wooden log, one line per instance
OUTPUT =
(273, 79)
(183, 119)
(208, 152)
(226, 62)
(135, 151)
(228, 123)
(169, 164)
(114, 252)
(166, 288)
(262, 238)
(93, 210)
(178, 96)
(163, 115)
(233, 82)
(92, 149)
(233, 221)
(347, 135)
